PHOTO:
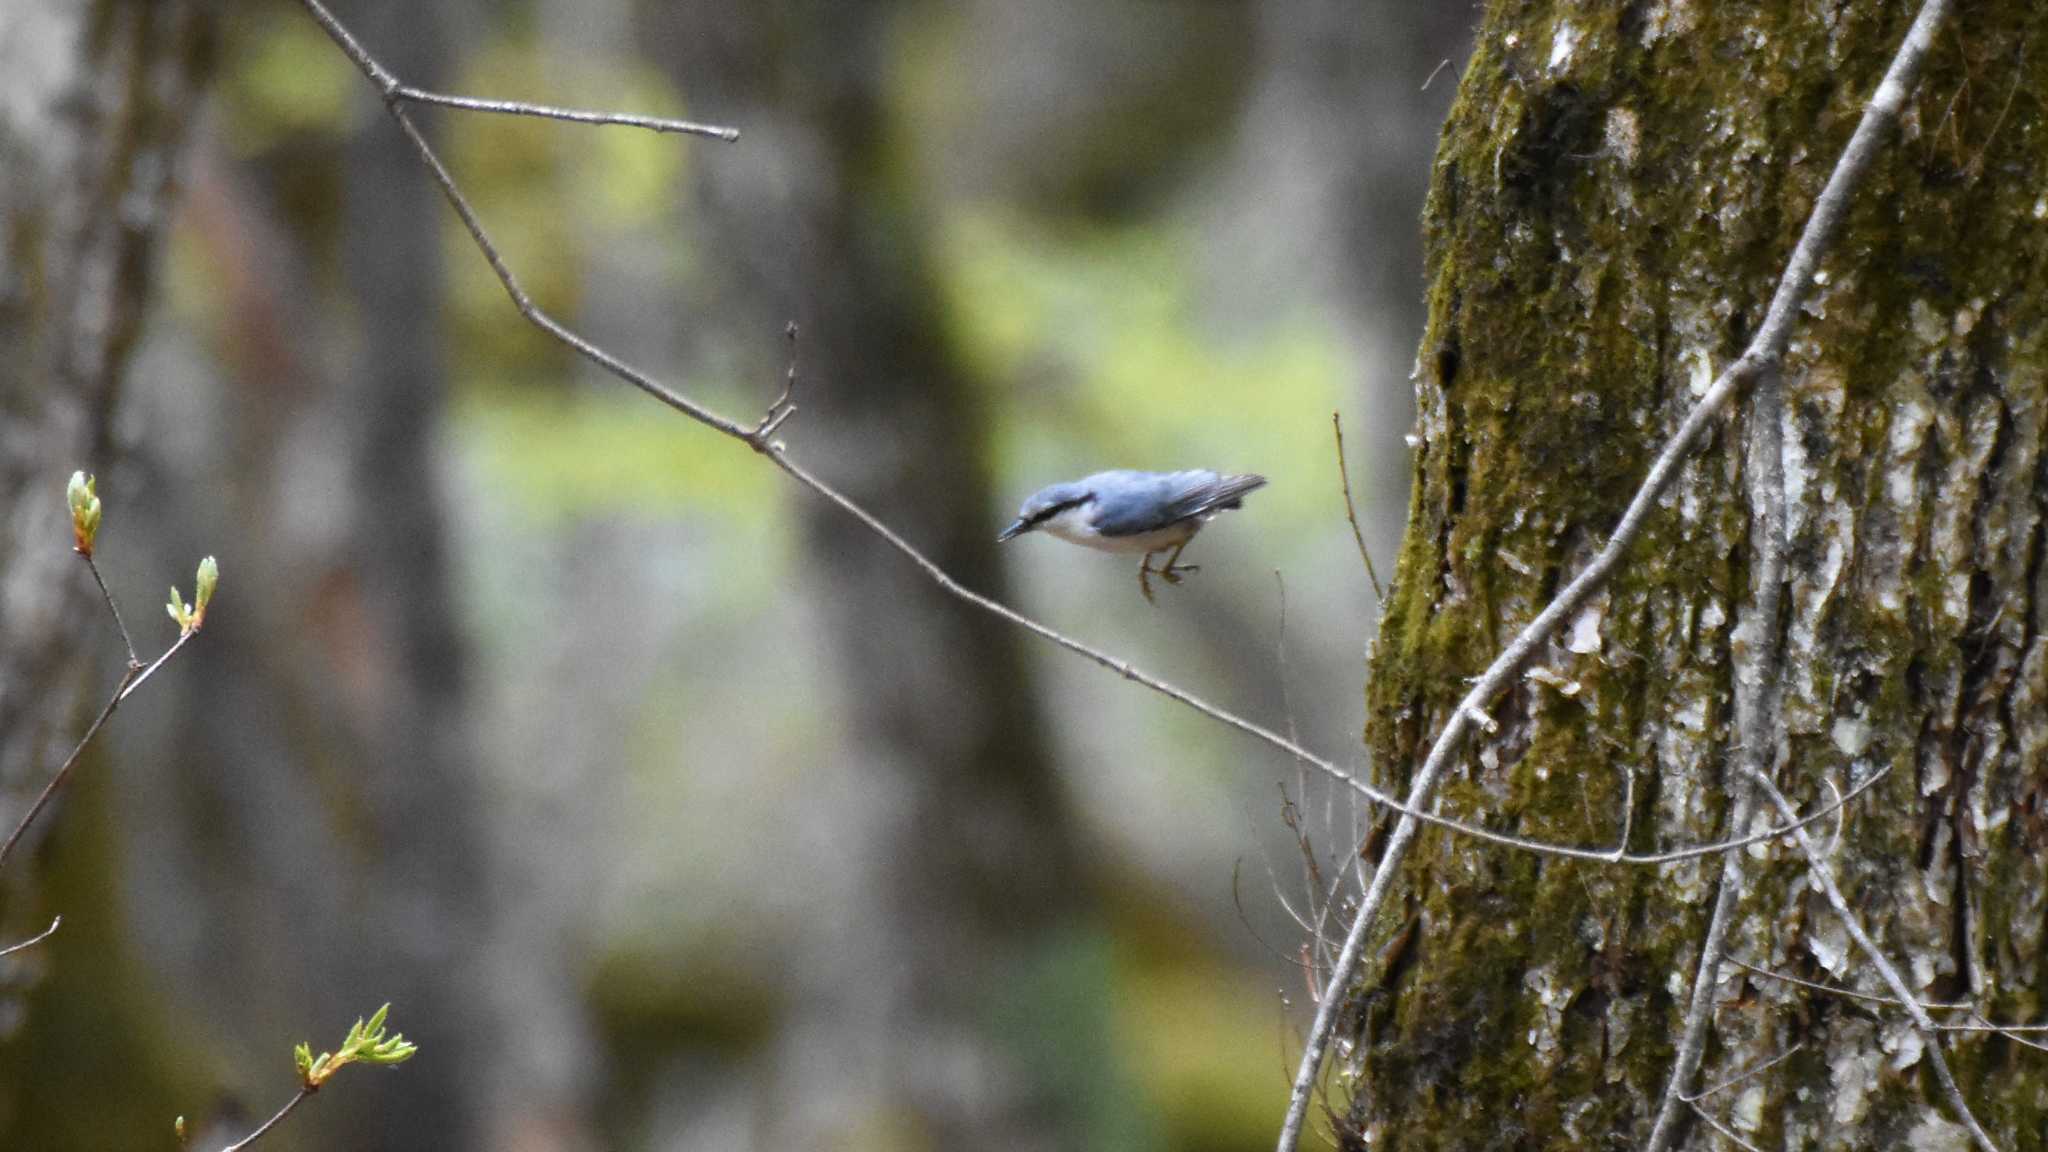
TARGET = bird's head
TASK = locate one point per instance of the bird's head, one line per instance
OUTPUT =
(1045, 505)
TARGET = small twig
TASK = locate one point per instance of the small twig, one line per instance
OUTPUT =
(1983, 1025)
(1930, 1005)
(1817, 864)
(575, 115)
(1974, 167)
(57, 781)
(130, 681)
(1747, 1074)
(1291, 813)
(1756, 726)
(2008, 1033)
(781, 409)
(112, 608)
(1726, 1132)
(1434, 73)
(1350, 508)
(144, 674)
(32, 941)
(1628, 817)
(305, 1090)
(1834, 841)
(1766, 349)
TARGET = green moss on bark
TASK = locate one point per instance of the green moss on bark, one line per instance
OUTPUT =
(1612, 202)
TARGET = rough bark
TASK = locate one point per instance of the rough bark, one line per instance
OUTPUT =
(95, 99)
(1613, 197)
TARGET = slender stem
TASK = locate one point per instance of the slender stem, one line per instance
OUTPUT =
(130, 681)
(1850, 993)
(1818, 865)
(63, 773)
(32, 941)
(1726, 1132)
(1767, 348)
(1756, 734)
(1351, 509)
(126, 640)
(1745, 1075)
(574, 115)
(305, 1090)
(145, 673)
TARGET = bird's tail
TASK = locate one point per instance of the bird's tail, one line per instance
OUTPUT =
(1231, 490)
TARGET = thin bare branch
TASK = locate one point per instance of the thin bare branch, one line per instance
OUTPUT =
(1766, 349)
(1817, 864)
(782, 408)
(1628, 819)
(574, 115)
(113, 609)
(1756, 727)
(305, 1091)
(32, 941)
(2008, 1033)
(1930, 1005)
(1726, 1132)
(142, 675)
(130, 681)
(1351, 509)
(1983, 1025)
(56, 782)
(1745, 1074)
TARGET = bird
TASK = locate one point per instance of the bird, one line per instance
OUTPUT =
(1126, 511)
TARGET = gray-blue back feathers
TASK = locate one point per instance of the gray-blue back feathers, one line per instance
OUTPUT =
(1133, 503)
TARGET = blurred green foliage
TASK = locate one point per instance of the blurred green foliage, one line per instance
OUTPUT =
(557, 456)
(1096, 343)
(287, 82)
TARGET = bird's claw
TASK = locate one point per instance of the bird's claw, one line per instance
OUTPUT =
(1172, 575)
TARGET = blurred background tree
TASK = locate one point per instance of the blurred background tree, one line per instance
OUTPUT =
(670, 812)
(96, 102)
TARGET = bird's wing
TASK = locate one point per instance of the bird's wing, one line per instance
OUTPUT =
(1170, 498)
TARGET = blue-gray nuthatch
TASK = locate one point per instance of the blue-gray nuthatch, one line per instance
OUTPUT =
(1122, 511)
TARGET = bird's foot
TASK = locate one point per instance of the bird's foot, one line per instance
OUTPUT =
(1172, 572)
(1145, 578)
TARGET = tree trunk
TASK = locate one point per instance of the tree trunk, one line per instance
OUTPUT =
(328, 804)
(950, 997)
(293, 832)
(95, 99)
(1613, 199)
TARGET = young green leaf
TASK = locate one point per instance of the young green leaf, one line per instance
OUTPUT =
(85, 511)
(365, 1043)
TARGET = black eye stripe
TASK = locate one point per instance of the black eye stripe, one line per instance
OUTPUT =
(1056, 509)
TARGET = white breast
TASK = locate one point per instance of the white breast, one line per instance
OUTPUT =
(1076, 526)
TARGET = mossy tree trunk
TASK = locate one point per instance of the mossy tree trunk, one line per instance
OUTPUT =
(1613, 200)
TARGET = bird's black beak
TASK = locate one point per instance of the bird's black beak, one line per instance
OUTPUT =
(1014, 530)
